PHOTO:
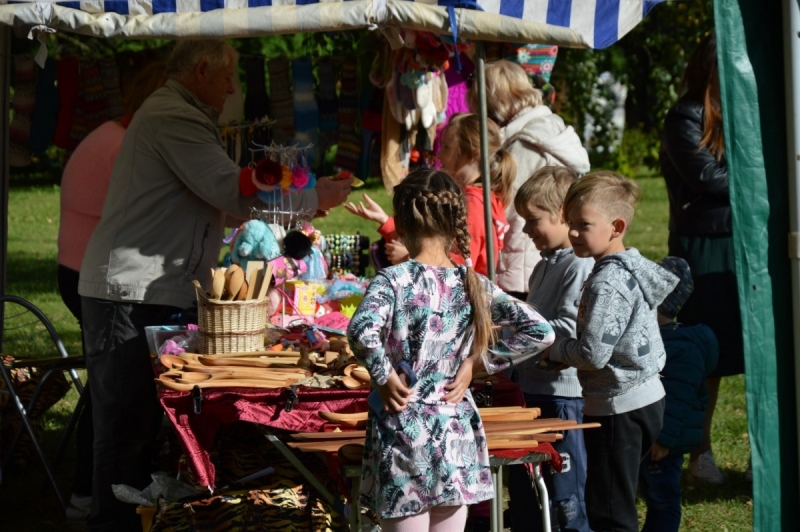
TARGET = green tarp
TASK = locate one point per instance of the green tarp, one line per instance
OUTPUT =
(750, 51)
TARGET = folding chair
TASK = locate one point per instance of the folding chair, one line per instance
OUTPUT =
(26, 332)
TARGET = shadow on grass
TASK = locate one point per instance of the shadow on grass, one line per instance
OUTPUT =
(735, 488)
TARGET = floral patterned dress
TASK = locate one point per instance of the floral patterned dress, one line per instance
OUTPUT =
(432, 453)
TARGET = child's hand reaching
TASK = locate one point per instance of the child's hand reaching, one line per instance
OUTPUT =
(462, 380)
(371, 211)
(658, 452)
(395, 394)
(396, 252)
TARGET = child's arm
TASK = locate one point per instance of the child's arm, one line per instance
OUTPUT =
(370, 210)
(368, 326)
(565, 322)
(530, 332)
(460, 385)
(607, 314)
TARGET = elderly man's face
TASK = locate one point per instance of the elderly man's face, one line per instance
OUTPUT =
(216, 84)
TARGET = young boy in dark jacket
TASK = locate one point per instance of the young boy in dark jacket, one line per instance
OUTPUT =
(692, 353)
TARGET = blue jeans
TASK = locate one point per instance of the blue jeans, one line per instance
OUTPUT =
(565, 489)
(660, 485)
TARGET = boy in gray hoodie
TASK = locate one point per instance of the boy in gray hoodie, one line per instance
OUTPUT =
(618, 351)
(554, 291)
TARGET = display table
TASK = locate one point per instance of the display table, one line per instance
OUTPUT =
(293, 409)
(198, 415)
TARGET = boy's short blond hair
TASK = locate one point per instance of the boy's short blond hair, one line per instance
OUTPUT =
(612, 194)
(546, 189)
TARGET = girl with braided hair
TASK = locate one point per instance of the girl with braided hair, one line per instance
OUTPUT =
(431, 321)
(460, 157)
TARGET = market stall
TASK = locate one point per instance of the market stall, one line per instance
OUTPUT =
(240, 23)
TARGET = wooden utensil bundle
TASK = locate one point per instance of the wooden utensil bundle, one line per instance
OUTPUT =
(210, 371)
(500, 432)
(235, 284)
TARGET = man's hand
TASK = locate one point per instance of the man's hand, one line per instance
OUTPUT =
(394, 394)
(462, 380)
(332, 193)
(396, 252)
(658, 452)
(368, 209)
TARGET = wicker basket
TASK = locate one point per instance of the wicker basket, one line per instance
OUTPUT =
(230, 326)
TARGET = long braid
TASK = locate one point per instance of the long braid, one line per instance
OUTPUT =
(476, 292)
(430, 204)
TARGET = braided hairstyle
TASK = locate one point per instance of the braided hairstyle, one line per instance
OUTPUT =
(429, 204)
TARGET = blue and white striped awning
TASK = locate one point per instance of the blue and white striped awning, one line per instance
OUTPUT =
(585, 23)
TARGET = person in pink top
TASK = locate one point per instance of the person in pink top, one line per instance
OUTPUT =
(460, 157)
(84, 184)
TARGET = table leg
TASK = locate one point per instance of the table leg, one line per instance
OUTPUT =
(323, 491)
(355, 507)
(544, 500)
(498, 492)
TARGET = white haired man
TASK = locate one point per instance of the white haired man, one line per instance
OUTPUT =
(171, 189)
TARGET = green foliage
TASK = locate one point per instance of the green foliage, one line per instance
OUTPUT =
(650, 61)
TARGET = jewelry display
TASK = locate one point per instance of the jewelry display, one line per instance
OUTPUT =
(344, 253)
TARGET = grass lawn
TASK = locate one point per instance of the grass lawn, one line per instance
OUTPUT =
(28, 504)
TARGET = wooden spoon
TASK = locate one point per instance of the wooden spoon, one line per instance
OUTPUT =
(235, 282)
(218, 283)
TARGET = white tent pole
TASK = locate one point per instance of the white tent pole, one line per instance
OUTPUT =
(480, 70)
(5, 79)
(791, 57)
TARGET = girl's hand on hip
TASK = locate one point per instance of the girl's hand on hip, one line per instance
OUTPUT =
(458, 388)
(395, 394)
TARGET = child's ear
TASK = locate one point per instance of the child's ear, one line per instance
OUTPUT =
(620, 226)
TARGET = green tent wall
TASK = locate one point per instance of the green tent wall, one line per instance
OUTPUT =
(750, 52)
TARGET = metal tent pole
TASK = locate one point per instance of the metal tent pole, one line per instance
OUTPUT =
(486, 178)
(791, 57)
(5, 82)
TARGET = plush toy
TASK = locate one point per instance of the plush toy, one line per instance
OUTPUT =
(255, 241)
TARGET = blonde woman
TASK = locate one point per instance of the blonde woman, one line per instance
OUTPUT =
(535, 137)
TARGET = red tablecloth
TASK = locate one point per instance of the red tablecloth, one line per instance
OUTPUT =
(268, 407)
(256, 405)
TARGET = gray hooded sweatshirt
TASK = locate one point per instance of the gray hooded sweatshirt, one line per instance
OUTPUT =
(618, 351)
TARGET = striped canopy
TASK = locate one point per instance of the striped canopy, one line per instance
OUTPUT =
(581, 23)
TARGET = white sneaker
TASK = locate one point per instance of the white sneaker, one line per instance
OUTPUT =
(79, 507)
(704, 469)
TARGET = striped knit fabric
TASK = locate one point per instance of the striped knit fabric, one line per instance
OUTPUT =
(46, 113)
(91, 105)
(23, 105)
(280, 100)
(347, 154)
(68, 77)
(306, 113)
(110, 75)
(328, 104)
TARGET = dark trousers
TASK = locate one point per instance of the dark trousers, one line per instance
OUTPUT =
(565, 489)
(84, 435)
(615, 452)
(660, 485)
(126, 411)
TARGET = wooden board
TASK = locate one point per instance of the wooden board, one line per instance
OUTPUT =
(506, 409)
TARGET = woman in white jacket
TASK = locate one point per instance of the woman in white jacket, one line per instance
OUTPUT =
(535, 137)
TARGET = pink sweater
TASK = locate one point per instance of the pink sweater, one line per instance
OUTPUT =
(83, 191)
